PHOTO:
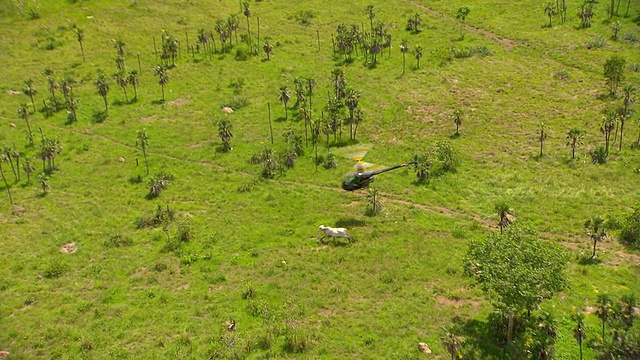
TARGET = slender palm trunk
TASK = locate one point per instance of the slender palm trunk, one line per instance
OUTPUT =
(32, 102)
(249, 32)
(135, 91)
(82, 50)
(593, 254)
(13, 169)
(603, 321)
(106, 105)
(126, 98)
(580, 344)
(404, 55)
(510, 327)
(6, 185)
(621, 129)
(146, 163)
(286, 113)
(541, 142)
(162, 86)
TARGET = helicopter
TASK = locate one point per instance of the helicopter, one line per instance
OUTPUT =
(365, 172)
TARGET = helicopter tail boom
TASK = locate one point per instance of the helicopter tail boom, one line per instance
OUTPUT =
(376, 172)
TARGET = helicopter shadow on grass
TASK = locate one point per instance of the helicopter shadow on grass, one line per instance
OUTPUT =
(350, 223)
(480, 339)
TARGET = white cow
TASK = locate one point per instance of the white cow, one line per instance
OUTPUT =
(334, 232)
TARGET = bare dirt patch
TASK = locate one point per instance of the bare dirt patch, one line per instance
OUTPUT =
(456, 302)
(69, 248)
(146, 119)
(178, 102)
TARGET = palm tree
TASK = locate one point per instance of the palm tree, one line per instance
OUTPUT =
(42, 179)
(8, 152)
(30, 91)
(142, 141)
(80, 37)
(268, 48)
(609, 121)
(371, 14)
(224, 131)
(232, 26)
(418, 54)
(461, 14)
(452, 343)
(339, 82)
(542, 127)
(119, 45)
(134, 79)
(351, 100)
(3, 158)
(305, 114)
(596, 230)
(456, 116)
(504, 212)
(284, 98)
(51, 81)
(578, 332)
(404, 48)
(247, 13)
(28, 168)
(603, 309)
(24, 114)
(574, 139)
(625, 112)
(72, 108)
(358, 117)
(311, 85)
(163, 77)
(121, 79)
(102, 84)
(550, 10)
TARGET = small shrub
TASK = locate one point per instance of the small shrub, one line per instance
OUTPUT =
(241, 55)
(184, 230)
(462, 53)
(158, 182)
(249, 292)
(330, 162)
(160, 266)
(236, 84)
(297, 341)
(447, 155)
(235, 103)
(54, 270)
(597, 42)
(267, 157)
(117, 240)
(630, 37)
(155, 218)
(303, 16)
(562, 75)
(33, 12)
(599, 155)
(630, 232)
(289, 158)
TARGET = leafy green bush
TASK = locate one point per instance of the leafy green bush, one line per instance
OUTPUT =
(630, 232)
(599, 155)
(54, 270)
(303, 16)
(236, 103)
(597, 42)
(330, 162)
(117, 240)
(155, 218)
(158, 182)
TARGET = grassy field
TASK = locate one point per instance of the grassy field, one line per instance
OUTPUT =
(254, 258)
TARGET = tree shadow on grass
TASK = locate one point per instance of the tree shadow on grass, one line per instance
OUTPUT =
(158, 102)
(583, 260)
(350, 222)
(480, 340)
(99, 116)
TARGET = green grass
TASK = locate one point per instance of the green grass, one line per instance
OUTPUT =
(123, 295)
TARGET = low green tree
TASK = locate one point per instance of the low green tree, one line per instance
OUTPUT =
(516, 271)
(456, 116)
(224, 132)
(453, 343)
(268, 49)
(461, 14)
(120, 77)
(284, 98)
(630, 231)
(134, 79)
(417, 52)
(614, 73)
(596, 230)
(542, 128)
(504, 212)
